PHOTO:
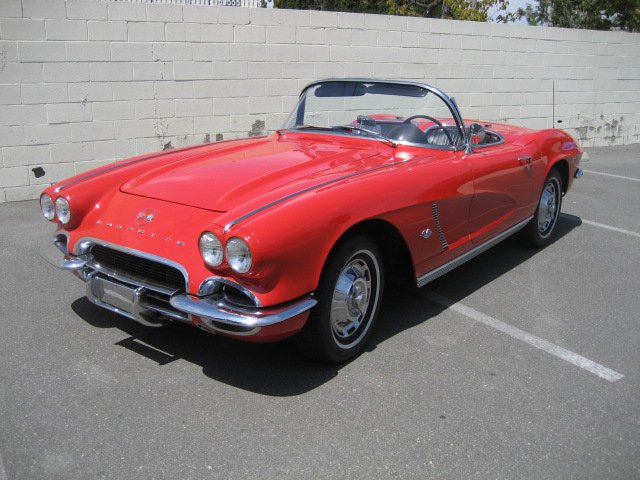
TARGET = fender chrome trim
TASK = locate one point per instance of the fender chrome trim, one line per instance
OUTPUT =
(126, 163)
(447, 267)
(233, 223)
(121, 165)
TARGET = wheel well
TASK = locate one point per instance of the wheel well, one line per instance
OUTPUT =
(394, 250)
(563, 168)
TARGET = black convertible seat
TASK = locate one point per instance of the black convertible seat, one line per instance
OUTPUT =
(437, 136)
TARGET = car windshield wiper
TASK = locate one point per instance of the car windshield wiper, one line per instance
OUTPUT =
(371, 133)
(307, 127)
(349, 128)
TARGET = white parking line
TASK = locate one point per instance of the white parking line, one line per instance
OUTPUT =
(609, 227)
(612, 175)
(551, 348)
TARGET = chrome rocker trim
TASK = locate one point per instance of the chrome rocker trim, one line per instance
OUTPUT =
(212, 309)
(447, 267)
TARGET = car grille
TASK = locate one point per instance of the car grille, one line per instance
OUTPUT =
(139, 267)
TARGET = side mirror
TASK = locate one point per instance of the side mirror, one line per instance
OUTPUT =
(363, 121)
(477, 133)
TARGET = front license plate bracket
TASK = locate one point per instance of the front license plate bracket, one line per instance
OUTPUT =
(114, 294)
(119, 298)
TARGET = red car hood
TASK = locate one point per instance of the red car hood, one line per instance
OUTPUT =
(226, 175)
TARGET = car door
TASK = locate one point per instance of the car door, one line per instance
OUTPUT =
(506, 179)
(435, 227)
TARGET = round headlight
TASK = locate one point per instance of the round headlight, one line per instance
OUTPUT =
(63, 211)
(210, 249)
(238, 255)
(48, 209)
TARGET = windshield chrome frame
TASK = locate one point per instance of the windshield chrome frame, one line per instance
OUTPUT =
(448, 101)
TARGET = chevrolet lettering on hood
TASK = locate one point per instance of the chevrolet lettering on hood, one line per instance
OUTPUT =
(139, 231)
(295, 233)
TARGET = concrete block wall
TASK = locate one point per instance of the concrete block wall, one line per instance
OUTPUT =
(83, 83)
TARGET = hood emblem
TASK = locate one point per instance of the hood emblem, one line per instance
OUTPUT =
(145, 216)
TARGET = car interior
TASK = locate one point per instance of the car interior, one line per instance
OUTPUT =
(421, 129)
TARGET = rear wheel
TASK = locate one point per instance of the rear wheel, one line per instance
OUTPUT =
(539, 231)
(349, 296)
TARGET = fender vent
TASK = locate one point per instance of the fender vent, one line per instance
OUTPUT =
(436, 219)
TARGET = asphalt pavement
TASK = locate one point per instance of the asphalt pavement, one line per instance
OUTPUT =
(521, 364)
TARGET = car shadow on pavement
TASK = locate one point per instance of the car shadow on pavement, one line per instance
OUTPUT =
(276, 369)
(407, 306)
(273, 369)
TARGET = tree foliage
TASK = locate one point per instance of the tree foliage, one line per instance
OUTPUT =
(590, 14)
(476, 10)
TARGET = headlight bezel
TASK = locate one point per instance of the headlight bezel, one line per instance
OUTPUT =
(238, 255)
(208, 252)
(63, 210)
(47, 207)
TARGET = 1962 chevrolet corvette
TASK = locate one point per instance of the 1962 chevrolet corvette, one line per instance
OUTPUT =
(293, 234)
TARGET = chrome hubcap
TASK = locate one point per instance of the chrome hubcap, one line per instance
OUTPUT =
(548, 208)
(351, 298)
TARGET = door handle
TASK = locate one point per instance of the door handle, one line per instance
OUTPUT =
(526, 162)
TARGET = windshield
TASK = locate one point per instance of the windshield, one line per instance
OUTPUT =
(391, 112)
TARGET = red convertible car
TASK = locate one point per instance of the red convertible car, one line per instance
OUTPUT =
(292, 234)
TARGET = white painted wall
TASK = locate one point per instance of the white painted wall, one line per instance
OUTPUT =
(85, 82)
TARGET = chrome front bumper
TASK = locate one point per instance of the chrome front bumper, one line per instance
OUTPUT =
(132, 297)
(215, 310)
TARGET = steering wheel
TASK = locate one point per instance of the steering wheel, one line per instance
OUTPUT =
(434, 120)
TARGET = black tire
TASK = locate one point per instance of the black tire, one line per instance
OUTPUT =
(349, 296)
(539, 231)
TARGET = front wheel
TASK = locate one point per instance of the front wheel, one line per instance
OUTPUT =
(349, 296)
(539, 231)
